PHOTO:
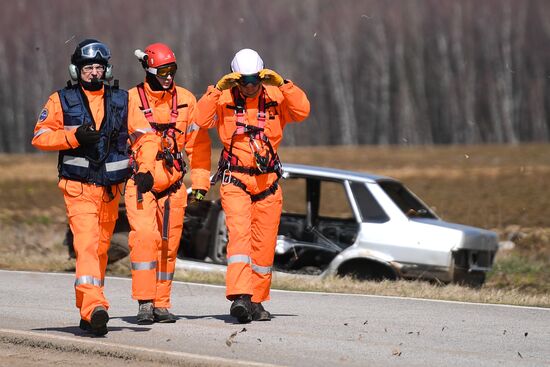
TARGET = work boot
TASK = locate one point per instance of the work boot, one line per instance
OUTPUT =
(145, 313)
(84, 325)
(98, 321)
(241, 308)
(259, 313)
(162, 315)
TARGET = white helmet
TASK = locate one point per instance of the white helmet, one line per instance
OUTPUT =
(247, 62)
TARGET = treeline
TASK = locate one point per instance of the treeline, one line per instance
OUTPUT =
(376, 72)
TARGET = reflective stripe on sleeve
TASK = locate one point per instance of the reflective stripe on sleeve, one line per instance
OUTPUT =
(192, 128)
(117, 166)
(72, 127)
(76, 161)
(88, 279)
(145, 265)
(139, 133)
(238, 259)
(165, 276)
(41, 131)
(261, 269)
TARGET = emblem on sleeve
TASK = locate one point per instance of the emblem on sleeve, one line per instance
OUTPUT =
(43, 114)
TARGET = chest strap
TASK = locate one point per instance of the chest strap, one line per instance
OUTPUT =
(148, 112)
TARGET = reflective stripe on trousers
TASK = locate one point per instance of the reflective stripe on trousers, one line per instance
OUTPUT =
(247, 260)
(88, 279)
(165, 276)
(239, 259)
(146, 265)
(261, 269)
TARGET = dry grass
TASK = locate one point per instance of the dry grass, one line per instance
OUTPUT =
(402, 288)
(502, 188)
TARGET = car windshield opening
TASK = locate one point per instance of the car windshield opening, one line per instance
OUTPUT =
(409, 204)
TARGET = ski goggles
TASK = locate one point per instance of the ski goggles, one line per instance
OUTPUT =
(253, 79)
(90, 51)
(164, 71)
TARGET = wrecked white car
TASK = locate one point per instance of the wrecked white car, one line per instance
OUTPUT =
(338, 222)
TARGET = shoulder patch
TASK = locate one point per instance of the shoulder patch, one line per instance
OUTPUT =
(43, 114)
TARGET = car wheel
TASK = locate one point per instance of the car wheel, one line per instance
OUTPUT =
(119, 247)
(218, 246)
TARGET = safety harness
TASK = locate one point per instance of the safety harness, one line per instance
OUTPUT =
(170, 155)
(265, 163)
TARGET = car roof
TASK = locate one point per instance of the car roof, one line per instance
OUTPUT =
(334, 173)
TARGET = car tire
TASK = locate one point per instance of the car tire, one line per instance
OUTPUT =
(119, 247)
(218, 244)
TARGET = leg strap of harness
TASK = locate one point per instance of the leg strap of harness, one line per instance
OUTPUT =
(259, 196)
(173, 188)
(166, 220)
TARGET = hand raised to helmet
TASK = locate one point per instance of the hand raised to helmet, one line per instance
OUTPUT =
(228, 81)
(270, 77)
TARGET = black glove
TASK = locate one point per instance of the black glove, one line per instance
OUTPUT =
(86, 135)
(144, 181)
(197, 195)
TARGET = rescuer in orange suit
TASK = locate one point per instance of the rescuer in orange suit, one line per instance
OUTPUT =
(250, 108)
(87, 123)
(156, 202)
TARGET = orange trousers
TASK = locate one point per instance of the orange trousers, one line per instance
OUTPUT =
(252, 229)
(154, 258)
(92, 216)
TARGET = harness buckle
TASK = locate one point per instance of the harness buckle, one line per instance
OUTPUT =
(226, 177)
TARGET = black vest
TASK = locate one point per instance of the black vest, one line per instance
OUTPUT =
(107, 162)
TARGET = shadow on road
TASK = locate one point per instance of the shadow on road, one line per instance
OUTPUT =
(228, 319)
(75, 330)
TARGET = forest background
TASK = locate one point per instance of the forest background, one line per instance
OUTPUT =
(403, 72)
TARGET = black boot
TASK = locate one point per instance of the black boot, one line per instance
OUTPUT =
(145, 312)
(98, 321)
(241, 308)
(162, 315)
(259, 313)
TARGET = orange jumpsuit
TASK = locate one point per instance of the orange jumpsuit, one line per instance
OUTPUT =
(252, 225)
(154, 258)
(91, 213)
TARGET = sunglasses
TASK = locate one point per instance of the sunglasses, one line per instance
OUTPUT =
(165, 71)
(253, 79)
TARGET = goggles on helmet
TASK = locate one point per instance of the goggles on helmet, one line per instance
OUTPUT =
(253, 79)
(91, 50)
(164, 71)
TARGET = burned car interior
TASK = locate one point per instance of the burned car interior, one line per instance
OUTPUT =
(317, 223)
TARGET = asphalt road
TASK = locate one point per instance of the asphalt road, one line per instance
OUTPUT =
(308, 329)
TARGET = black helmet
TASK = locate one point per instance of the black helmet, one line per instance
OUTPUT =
(90, 51)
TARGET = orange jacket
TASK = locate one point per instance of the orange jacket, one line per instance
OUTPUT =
(292, 106)
(50, 134)
(195, 141)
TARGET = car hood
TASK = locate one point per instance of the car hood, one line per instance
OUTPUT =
(473, 238)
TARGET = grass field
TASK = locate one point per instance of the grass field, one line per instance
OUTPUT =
(502, 188)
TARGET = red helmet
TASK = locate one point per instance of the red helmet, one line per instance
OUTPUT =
(159, 54)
